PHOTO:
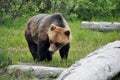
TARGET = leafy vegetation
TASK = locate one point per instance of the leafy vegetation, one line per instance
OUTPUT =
(71, 9)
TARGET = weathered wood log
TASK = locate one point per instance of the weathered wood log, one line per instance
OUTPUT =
(101, 26)
(37, 71)
(102, 64)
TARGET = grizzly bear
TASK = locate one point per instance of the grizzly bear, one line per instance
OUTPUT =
(45, 34)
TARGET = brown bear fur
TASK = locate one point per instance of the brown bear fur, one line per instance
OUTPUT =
(46, 34)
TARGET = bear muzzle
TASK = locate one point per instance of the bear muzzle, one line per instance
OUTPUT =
(52, 49)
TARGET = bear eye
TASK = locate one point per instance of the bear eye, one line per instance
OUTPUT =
(57, 44)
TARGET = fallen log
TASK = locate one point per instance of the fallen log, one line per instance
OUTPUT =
(102, 64)
(37, 71)
(101, 26)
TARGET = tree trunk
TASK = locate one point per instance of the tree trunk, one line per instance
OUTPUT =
(37, 71)
(101, 26)
(102, 64)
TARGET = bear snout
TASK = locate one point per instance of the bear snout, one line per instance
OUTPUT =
(52, 48)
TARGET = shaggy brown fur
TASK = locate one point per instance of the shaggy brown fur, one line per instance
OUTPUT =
(43, 29)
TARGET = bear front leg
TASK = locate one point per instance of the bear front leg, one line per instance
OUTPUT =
(43, 50)
(49, 56)
(33, 49)
(64, 51)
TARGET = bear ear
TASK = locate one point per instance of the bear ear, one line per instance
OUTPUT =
(67, 33)
(52, 27)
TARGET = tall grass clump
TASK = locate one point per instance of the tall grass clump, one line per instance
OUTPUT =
(3, 59)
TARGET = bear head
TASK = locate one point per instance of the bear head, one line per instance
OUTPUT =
(58, 37)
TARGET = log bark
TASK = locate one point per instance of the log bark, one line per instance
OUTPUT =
(102, 64)
(101, 26)
(37, 71)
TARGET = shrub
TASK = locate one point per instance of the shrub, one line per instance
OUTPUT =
(71, 9)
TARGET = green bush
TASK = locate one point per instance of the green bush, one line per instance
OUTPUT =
(71, 9)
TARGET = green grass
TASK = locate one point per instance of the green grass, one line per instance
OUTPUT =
(84, 41)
